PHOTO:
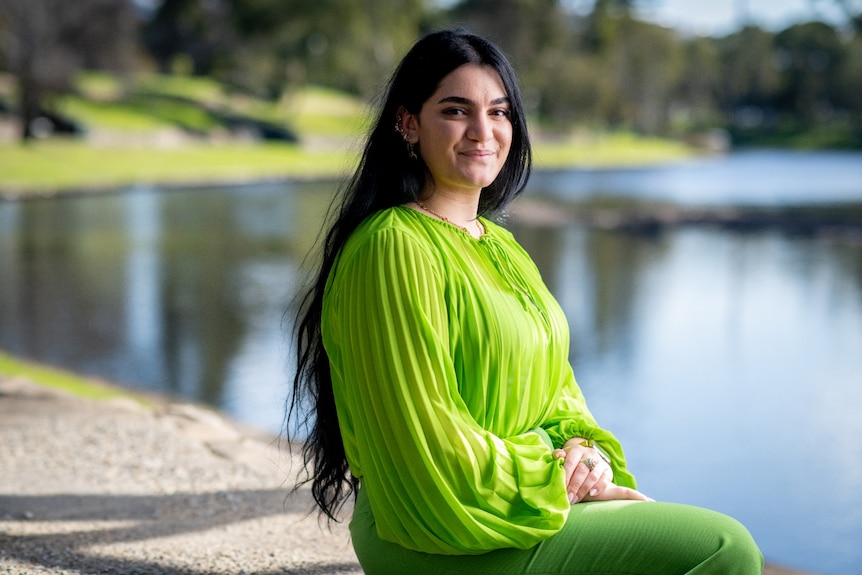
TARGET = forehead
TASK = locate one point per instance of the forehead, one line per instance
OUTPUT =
(474, 81)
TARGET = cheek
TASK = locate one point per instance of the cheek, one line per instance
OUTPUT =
(504, 134)
(505, 139)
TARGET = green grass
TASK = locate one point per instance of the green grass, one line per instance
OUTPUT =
(156, 101)
(69, 164)
(58, 164)
(62, 380)
(122, 117)
(204, 90)
(131, 114)
(321, 111)
(607, 150)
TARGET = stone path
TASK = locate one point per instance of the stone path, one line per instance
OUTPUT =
(111, 487)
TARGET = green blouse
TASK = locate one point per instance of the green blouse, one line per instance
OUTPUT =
(449, 362)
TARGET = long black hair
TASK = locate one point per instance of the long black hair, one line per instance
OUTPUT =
(387, 176)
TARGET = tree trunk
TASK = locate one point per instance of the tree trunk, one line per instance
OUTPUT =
(29, 104)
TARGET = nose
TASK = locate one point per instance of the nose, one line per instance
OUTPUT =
(480, 128)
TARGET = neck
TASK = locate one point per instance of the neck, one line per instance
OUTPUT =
(457, 211)
(459, 208)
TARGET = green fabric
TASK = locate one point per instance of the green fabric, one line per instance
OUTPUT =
(446, 352)
(607, 538)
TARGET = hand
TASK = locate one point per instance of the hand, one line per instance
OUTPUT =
(591, 484)
(613, 492)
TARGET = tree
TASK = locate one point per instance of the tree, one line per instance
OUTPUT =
(602, 28)
(750, 72)
(197, 30)
(849, 94)
(265, 46)
(811, 58)
(697, 91)
(47, 41)
(533, 34)
(646, 62)
(354, 45)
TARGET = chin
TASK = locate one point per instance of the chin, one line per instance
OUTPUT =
(484, 180)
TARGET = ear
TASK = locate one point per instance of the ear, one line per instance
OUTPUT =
(408, 124)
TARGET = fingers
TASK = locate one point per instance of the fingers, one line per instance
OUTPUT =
(596, 478)
(615, 492)
(590, 478)
(584, 474)
(606, 478)
(575, 473)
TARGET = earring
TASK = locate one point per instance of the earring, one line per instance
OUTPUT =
(411, 152)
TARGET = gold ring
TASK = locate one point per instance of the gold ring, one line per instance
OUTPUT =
(589, 462)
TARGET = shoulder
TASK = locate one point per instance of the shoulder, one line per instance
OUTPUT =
(388, 229)
(389, 241)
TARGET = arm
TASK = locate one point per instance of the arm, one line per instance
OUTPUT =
(572, 419)
(567, 416)
(436, 480)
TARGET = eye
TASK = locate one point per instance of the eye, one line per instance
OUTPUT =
(501, 113)
(454, 112)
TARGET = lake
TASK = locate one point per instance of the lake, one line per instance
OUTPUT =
(729, 364)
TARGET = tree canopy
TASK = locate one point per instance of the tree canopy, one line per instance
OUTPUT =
(600, 67)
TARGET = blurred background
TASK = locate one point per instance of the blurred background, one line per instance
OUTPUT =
(766, 71)
(166, 165)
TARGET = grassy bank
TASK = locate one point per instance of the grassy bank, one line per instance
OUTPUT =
(45, 167)
(58, 165)
(63, 380)
(175, 130)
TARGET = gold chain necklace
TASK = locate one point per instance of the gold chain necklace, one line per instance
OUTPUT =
(479, 226)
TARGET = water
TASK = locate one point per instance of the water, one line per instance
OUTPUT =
(762, 177)
(728, 364)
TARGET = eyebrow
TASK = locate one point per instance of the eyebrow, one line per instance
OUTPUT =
(469, 102)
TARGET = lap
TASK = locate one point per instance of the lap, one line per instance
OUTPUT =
(615, 537)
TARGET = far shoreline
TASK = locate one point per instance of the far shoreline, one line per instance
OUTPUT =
(56, 167)
(830, 221)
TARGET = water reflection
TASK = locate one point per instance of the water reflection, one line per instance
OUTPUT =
(728, 364)
(159, 291)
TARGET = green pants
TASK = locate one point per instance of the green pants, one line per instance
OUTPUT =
(607, 538)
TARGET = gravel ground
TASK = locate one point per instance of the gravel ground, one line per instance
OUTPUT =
(90, 487)
(110, 487)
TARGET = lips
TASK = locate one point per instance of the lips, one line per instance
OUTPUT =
(479, 153)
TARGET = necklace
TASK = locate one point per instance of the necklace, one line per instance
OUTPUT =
(479, 226)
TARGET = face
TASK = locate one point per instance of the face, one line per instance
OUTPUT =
(463, 131)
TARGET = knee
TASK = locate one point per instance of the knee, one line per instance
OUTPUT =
(736, 553)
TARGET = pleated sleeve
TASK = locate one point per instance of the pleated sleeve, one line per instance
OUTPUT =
(436, 480)
(571, 418)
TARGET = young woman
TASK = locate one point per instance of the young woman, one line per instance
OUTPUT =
(437, 361)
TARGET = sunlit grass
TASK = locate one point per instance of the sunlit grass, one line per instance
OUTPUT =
(69, 164)
(100, 86)
(607, 150)
(61, 379)
(138, 132)
(151, 102)
(117, 116)
(321, 111)
(204, 90)
(57, 164)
